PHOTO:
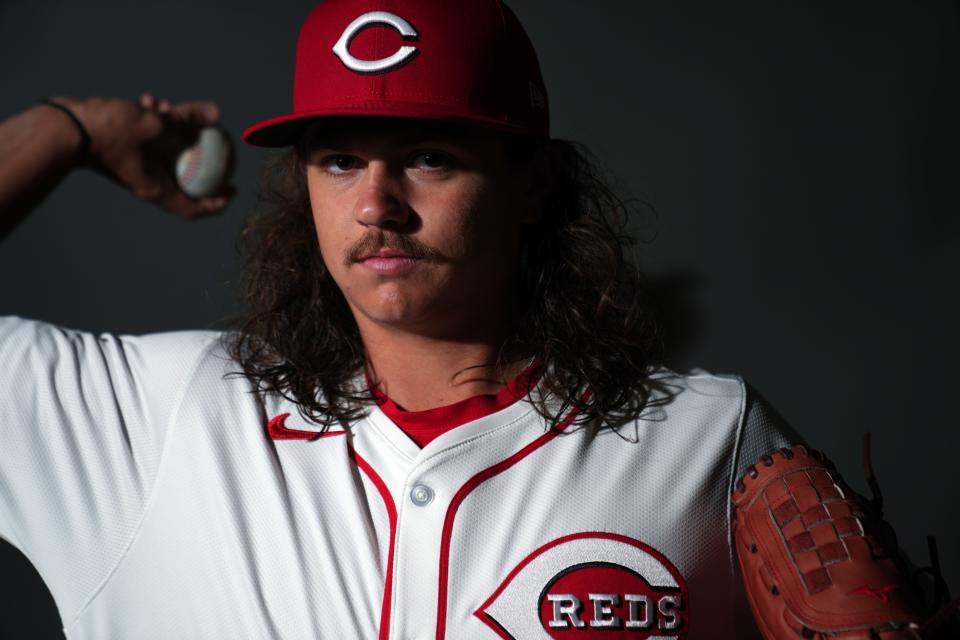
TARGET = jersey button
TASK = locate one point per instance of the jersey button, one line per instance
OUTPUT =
(421, 495)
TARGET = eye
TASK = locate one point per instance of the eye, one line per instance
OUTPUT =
(432, 161)
(339, 163)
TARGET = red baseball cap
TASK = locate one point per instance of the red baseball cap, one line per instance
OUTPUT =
(455, 60)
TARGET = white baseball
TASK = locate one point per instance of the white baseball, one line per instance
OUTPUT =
(202, 169)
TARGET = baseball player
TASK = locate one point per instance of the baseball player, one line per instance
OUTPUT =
(444, 415)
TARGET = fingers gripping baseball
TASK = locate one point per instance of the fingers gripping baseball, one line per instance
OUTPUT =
(204, 156)
(137, 145)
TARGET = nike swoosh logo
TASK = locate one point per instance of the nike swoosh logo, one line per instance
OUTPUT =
(278, 431)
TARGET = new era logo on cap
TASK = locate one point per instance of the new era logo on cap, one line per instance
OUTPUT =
(538, 99)
(467, 61)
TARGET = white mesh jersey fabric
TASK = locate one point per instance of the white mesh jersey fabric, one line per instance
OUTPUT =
(139, 478)
(82, 424)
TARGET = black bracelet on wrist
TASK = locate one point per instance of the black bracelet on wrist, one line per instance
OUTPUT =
(84, 136)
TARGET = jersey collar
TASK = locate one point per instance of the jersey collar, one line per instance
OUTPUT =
(458, 413)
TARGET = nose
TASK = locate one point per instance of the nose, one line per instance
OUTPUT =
(381, 202)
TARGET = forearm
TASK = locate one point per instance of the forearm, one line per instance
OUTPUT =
(38, 147)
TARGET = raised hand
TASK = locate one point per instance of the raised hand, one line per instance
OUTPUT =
(136, 144)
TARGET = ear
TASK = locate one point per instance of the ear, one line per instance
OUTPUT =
(538, 185)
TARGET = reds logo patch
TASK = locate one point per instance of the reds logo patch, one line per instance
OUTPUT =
(588, 586)
(372, 19)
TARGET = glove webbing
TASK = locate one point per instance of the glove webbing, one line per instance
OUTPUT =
(941, 591)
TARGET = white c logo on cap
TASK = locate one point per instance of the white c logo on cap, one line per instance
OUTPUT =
(383, 18)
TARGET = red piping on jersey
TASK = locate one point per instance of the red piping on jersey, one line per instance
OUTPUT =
(469, 486)
(392, 516)
(277, 431)
(493, 624)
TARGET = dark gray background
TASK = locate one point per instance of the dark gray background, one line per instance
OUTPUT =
(802, 158)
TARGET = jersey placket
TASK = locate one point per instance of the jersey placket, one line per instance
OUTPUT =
(422, 484)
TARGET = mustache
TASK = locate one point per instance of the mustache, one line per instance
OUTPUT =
(377, 240)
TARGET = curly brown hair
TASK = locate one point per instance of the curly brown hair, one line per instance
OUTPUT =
(588, 317)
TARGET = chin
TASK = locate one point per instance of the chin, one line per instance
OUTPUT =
(393, 308)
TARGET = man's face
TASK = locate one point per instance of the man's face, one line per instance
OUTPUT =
(419, 223)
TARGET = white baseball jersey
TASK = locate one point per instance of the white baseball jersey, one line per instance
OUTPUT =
(158, 497)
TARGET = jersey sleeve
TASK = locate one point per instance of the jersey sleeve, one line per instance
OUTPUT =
(83, 419)
(761, 430)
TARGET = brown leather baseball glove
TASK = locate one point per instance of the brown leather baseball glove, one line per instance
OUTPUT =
(817, 559)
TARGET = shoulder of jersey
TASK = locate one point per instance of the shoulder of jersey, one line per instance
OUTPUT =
(698, 380)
